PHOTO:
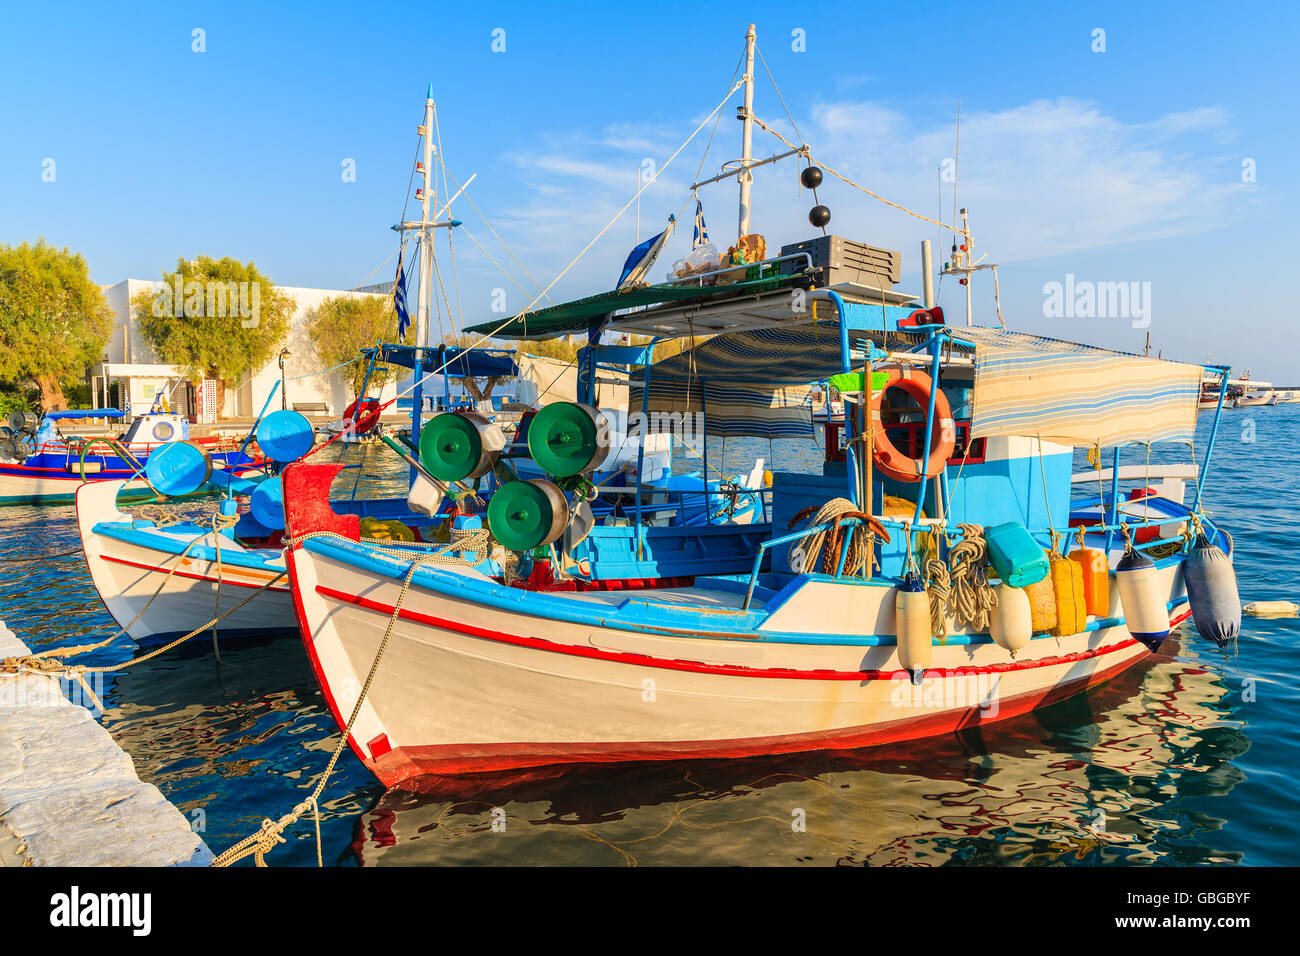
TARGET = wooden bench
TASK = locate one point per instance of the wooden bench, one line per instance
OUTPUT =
(311, 408)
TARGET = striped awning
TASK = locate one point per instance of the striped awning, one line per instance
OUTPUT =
(729, 410)
(1076, 394)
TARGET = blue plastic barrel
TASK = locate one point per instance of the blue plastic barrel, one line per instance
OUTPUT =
(285, 436)
(267, 504)
(178, 468)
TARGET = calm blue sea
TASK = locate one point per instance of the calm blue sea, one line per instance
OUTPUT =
(1186, 760)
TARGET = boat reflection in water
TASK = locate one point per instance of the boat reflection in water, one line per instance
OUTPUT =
(1104, 777)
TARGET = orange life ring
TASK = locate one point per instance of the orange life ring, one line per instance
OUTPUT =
(943, 437)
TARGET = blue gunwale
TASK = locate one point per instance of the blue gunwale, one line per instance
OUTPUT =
(651, 617)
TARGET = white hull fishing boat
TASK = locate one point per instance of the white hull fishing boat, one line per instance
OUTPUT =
(164, 580)
(862, 609)
(485, 677)
(1257, 393)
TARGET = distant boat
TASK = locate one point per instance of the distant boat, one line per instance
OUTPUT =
(1289, 395)
(40, 465)
(1257, 393)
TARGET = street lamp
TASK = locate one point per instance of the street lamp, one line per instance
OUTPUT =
(284, 388)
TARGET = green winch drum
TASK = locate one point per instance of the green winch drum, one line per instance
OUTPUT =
(568, 438)
(525, 514)
(459, 446)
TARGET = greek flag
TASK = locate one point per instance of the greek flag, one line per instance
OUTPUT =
(701, 234)
(399, 301)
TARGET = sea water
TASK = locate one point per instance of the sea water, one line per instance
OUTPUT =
(1184, 759)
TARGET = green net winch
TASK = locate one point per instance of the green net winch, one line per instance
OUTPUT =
(568, 438)
(525, 514)
(460, 446)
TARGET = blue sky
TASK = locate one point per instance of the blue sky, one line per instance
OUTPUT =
(1116, 166)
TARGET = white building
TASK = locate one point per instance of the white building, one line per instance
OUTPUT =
(129, 361)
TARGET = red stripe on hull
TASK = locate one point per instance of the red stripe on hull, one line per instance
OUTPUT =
(187, 574)
(733, 670)
(403, 766)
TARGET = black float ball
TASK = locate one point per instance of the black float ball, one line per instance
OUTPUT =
(819, 216)
(811, 177)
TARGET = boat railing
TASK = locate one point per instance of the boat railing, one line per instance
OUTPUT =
(1063, 535)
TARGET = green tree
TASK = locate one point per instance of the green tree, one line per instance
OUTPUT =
(54, 321)
(341, 327)
(217, 318)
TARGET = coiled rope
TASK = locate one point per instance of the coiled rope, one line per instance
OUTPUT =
(823, 548)
(939, 588)
(972, 598)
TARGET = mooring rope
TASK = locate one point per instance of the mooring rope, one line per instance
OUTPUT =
(270, 834)
(51, 663)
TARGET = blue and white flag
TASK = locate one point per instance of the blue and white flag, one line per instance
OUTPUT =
(701, 234)
(399, 301)
(641, 258)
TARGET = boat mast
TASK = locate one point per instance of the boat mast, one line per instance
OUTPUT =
(426, 228)
(747, 135)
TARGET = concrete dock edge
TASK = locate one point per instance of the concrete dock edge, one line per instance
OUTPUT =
(69, 795)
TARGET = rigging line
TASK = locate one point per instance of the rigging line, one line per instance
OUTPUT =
(455, 280)
(451, 246)
(437, 274)
(626, 206)
(410, 180)
(505, 322)
(495, 263)
(446, 301)
(956, 156)
(508, 250)
(808, 152)
(770, 77)
(700, 168)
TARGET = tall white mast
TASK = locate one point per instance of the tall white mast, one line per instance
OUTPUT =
(426, 230)
(747, 136)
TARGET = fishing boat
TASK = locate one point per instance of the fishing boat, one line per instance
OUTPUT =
(40, 465)
(1257, 393)
(1210, 393)
(861, 610)
(1288, 395)
(160, 578)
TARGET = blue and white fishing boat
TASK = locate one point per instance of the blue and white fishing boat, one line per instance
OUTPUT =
(41, 465)
(932, 577)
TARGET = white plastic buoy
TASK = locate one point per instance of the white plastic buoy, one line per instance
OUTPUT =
(912, 622)
(1272, 609)
(1010, 620)
(1146, 614)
